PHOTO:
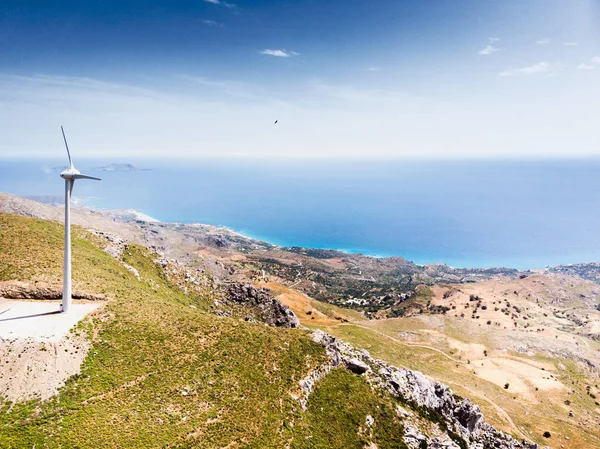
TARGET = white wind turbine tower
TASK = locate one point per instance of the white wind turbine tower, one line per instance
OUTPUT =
(69, 175)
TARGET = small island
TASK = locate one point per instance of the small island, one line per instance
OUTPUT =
(119, 167)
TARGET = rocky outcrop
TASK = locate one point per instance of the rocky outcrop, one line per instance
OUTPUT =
(264, 304)
(115, 245)
(25, 290)
(457, 417)
(308, 383)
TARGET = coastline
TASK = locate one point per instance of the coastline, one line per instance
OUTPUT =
(139, 215)
(422, 260)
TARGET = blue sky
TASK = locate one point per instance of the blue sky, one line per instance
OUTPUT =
(345, 79)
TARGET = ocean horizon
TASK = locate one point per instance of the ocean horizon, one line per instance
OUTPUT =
(492, 213)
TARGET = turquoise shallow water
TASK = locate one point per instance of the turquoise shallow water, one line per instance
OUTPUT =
(494, 213)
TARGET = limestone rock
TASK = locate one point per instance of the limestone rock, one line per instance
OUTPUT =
(413, 437)
(356, 366)
(442, 443)
(268, 308)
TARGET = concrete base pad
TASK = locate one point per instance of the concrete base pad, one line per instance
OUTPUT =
(39, 320)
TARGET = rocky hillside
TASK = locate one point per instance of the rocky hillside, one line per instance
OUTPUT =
(589, 271)
(175, 359)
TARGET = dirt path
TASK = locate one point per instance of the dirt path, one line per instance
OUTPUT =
(503, 413)
(415, 345)
(295, 283)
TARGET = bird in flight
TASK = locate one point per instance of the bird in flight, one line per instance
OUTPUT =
(275, 122)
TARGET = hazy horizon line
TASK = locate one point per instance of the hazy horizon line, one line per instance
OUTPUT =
(312, 157)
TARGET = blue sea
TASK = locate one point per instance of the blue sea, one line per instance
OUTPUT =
(522, 214)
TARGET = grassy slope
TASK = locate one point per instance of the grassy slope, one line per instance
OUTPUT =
(343, 401)
(149, 346)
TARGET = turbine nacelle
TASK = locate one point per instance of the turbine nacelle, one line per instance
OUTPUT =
(72, 174)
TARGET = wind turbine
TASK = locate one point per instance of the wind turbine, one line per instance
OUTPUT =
(69, 175)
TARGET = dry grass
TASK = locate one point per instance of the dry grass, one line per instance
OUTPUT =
(309, 311)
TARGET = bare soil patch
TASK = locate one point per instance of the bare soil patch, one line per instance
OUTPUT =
(37, 369)
(38, 353)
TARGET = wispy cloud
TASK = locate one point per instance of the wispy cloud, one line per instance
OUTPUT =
(585, 66)
(373, 69)
(221, 3)
(212, 23)
(326, 119)
(235, 88)
(571, 44)
(490, 48)
(90, 106)
(544, 41)
(248, 92)
(591, 65)
(541, 67)
(350, 93)
(83, 83)
(279, 53)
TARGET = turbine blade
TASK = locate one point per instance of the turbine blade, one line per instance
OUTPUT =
(66, 145)
(82, 176)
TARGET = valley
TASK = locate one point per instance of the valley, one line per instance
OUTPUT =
(541, 375)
